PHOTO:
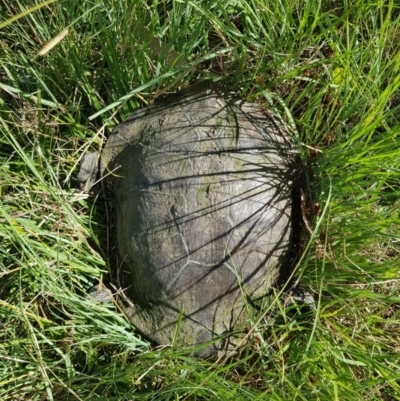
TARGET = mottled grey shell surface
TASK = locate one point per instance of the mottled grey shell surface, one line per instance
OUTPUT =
(199, 202)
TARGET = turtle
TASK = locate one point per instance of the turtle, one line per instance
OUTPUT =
(199, 193)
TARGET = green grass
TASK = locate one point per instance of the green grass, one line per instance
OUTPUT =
(331, 69)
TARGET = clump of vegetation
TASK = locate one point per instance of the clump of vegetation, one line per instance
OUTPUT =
(70, 71)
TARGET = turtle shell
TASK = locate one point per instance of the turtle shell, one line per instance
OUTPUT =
(198, 189)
